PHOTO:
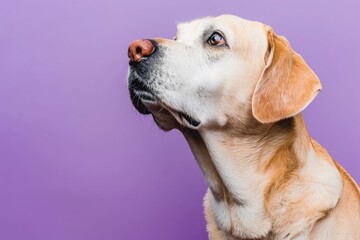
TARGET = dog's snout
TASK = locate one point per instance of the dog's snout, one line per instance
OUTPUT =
(139, 49)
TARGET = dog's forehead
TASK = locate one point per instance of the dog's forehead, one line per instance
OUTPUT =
(190, 30)
(193, 25)
(231, 25)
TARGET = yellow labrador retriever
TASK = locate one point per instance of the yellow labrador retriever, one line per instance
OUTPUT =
(236, 90)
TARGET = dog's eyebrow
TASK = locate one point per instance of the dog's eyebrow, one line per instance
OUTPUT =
(208, 30)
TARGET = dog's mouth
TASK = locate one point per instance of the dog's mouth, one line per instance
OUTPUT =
(142, 97)
(190, 120)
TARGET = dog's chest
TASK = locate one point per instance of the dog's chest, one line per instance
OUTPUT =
(241, 221)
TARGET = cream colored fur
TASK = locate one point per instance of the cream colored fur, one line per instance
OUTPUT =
(268, 179)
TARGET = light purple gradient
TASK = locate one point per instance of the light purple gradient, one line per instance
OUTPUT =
(77, 162)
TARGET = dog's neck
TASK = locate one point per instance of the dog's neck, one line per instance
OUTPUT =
(239, 166)
(225, 155)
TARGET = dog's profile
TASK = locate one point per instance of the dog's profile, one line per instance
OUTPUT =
(236, 90)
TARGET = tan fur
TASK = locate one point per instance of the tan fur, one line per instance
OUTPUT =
(286, 77)
(268, 179)
(287, 86)
(284, 173)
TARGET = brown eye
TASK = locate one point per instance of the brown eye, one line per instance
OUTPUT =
(216, 39)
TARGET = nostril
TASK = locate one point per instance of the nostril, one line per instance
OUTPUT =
(138, 50)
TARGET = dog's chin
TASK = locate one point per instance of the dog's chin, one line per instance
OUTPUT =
(145, 103)
(167, 119)
(163, 118)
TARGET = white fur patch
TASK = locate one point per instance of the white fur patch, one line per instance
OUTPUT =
(244, 183)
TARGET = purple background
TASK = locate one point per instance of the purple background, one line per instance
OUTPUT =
(77, 162)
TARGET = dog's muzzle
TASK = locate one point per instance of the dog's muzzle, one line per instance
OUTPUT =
(144, 56)
(139, 91)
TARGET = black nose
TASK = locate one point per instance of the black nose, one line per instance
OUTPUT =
(139, 49)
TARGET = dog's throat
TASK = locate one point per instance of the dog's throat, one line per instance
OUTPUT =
(192, 121)
(216, 184)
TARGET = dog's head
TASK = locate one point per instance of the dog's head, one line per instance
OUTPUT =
(218, 70)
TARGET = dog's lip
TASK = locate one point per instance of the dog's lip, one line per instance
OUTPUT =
(145, 96)
(138, 85)
(191, 120)
(181, 115)
(140, 93)
(138, 102)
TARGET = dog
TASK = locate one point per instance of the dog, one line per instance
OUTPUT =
(236, 90)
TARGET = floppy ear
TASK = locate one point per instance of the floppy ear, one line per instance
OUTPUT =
(287, 85)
